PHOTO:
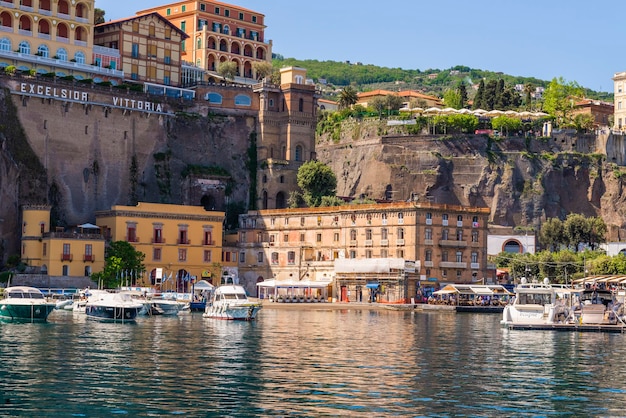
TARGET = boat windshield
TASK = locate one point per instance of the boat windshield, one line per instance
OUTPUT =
(534, 299)
(232, 296)
(25, 295)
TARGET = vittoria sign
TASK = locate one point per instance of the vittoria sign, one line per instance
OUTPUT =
(61, 93)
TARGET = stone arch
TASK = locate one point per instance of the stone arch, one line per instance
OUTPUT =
(208, 202)
(512, 246)
(281, 200)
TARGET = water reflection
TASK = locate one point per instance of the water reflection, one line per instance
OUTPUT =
(307, 363)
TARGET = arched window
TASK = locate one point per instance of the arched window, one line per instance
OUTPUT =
(512, 247)
(264, 199)
(299, 79)
(62, 54)
(213, 98)
(43, 51)
(298, 152)
(243, 100)
(79, 57)
(226, 30)
(199, 43)
(24, 47)
(280, 200)
(301, 105)
(5, 44)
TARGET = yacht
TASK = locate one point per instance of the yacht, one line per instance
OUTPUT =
(23, 303)
(113, 307)
(230, 301)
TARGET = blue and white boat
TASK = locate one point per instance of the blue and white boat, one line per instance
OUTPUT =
(117, 307)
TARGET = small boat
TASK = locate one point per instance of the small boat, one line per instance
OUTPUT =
(231, 302)
(113, 307)
(161, 306)
(23, 303)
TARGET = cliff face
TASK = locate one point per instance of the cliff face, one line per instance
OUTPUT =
(523, 181)
(81, 158)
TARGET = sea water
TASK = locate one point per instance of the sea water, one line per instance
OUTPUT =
(302, 362)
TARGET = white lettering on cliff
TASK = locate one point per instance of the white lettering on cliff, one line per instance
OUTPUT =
(80, 96)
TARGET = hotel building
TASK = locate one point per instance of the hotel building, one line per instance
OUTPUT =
(149, 48)
(75, 252)
(184, 243)
(442, 243)
(51, 37)
(619, 95)
(219, 32)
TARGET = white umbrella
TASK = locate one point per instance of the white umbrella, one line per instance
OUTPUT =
(540, 114)
(465, 111)
(494, 113)
(434, 110)
(448, 111)
(479, 112)
(405, 109)
(512, 113)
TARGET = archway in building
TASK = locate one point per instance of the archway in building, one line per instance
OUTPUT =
(512, 246)
(281, 201)
(208, 202)
(265, 199)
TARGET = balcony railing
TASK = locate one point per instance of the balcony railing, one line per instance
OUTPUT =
(452, 243)
(428, 242)
(132, 239)
(158, 240)
(184, 241)
(208, 243)
(89, 257)
(475, 265)
(384, 242)
(400, 242)
(61, 63)
(368, 242)
(452, 265)
(66, 257)
(429, 264)
(8, 4)
(353, 243)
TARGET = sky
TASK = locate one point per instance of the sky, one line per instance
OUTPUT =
(579, 40)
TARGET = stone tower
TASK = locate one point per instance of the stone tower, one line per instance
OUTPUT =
(287, 120)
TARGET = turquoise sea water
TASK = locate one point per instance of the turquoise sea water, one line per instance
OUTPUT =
(348, 362)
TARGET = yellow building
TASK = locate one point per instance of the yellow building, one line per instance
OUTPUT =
(50, 37)
(219, 32)
(181, 243)
(619, 94)
(76, 252)
(149, 47)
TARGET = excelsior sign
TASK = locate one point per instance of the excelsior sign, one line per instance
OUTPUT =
(37, 90)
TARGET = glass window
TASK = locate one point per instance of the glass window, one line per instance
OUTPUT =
(291, 257)
(207, 256)
(459, 257)
(428, 234)
(274, 258)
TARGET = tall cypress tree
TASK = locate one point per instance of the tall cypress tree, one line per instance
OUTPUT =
(479, 97)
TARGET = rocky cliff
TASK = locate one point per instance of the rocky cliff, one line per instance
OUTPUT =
(522, 180)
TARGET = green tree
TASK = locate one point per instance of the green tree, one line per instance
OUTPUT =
(583, 122)
(506, 124)
(121, 262)
(558, 99)
(347, 97)
(479, 98)
(98, 16)
(262, 69)
(463, 93)
(227, 69)
(453, 99)
(528, 92)
(316, 180)
(551, 235)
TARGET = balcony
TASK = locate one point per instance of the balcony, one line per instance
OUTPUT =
(384, 242)
(429, 264)
(369, 243)
(353, 243)
(27, 8)
(400, 242)
(89, 257)
(452, 243)
(80, 43)
(25, 32)
(210, 242)
(183, 241)
(429, 221)
(132, 239)
(45, 12)
(158, 240)
(444, 222)
(400, 221)
(475, 266)
(67, 257)
(428, 242)
(459, 224)
(35, 59)
(452, 265)
(8, 4)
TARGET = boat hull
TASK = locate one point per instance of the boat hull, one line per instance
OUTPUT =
(247, 312)
(26, 312)
(111, 313)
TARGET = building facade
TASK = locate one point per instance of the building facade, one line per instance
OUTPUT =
(619, 96)
(182, 244)
(72, 252)
(149, 48)
(442, 243)
(50, 37)
(219, 32)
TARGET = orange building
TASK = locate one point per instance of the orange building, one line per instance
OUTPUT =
(149, 47)
(219, 32)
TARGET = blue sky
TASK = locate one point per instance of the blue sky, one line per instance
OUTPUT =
(578, 40)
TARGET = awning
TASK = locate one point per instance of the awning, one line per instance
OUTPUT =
(372, 285)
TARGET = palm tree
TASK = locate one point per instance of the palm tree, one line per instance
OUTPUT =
(347, 97)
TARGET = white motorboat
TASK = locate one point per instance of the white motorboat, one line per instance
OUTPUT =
(27, 304)
(231, 302)
(163, 306)
(113, 307)
(539, 304)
